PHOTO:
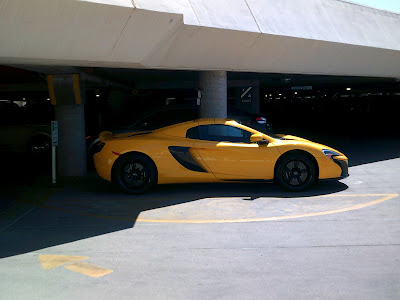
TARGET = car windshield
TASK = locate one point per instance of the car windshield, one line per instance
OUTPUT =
(266, 132)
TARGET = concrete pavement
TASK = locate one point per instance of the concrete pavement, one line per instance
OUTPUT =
(350, 254)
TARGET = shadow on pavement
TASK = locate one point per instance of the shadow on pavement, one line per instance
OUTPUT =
(93, 207)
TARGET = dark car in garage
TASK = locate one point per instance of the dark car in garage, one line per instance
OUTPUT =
(24, 129)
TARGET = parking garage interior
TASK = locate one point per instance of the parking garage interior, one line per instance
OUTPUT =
(327, 109)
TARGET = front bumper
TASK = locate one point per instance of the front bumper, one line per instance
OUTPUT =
(344, 166)
(334, 179)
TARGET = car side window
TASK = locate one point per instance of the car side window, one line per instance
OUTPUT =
(193, 133)
(219, 133)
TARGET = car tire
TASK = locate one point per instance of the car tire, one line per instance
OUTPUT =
(134, 173)
(295, 172)
(92, 149)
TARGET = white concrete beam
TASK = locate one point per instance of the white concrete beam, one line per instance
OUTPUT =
(61, 30)
(144, 31)
(304, 36)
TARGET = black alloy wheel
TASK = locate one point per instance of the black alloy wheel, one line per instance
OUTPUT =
(295, 172)
(134, 173)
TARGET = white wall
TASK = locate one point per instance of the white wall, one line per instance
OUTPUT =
(302, 36)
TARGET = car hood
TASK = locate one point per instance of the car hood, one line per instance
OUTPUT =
(291, 137)
(307, 144)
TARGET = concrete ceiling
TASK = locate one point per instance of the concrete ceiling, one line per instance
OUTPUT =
(327, 37)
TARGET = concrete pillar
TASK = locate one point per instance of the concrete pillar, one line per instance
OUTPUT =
(67, 96)
(213, 85)
(71, 152)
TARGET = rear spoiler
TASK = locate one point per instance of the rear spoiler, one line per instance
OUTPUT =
(108, 135)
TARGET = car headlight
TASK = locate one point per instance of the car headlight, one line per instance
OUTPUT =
(330, 153)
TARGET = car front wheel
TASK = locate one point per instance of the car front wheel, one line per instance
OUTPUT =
(295, 172)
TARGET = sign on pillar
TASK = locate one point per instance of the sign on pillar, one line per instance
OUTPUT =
(246, 94)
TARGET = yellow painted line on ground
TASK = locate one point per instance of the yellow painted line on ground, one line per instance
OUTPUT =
(53, 261)
(329, 212)
(88, 269)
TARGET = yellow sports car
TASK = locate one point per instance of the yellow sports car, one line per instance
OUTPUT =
(214, 150)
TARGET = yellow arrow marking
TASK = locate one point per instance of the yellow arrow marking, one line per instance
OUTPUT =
(88, 269)
(53, 261)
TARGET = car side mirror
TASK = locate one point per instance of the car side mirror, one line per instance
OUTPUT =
(258, 138)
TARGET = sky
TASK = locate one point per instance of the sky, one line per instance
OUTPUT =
(391, 5)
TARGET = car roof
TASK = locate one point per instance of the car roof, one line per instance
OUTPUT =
(179, 130)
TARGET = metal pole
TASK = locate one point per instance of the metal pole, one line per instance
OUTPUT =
(53, 163)
(54, 144)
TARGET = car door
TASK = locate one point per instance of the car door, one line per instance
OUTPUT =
(228, 153)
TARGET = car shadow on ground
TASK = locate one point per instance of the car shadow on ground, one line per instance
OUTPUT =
(92, 207)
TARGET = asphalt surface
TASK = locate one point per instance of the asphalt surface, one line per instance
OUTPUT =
(83, 239)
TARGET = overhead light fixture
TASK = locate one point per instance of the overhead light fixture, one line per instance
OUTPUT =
(48, 99)
(287, 80)
(295, 93)
(97, 95)
(348, 89)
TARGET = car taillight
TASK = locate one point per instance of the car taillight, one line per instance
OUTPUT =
(261, 120)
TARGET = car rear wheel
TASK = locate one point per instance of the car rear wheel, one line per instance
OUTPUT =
(135, 173)
(295, 172)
